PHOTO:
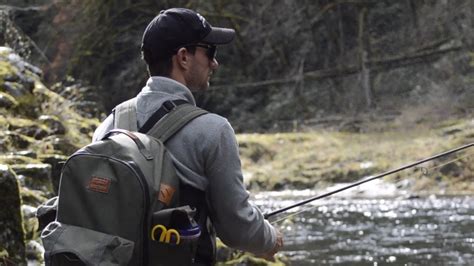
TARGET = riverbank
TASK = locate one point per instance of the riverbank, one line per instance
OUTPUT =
(323, 157)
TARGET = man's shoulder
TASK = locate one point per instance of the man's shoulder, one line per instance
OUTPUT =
(208, 126)
(211, 121)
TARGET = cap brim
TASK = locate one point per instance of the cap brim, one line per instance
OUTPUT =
(219, 36)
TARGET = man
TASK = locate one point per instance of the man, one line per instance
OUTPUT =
(179, 47)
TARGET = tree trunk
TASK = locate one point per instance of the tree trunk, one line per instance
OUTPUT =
(364, 53)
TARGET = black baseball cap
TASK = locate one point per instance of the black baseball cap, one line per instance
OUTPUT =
(174, 28)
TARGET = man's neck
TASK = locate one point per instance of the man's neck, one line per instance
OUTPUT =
(177, 76)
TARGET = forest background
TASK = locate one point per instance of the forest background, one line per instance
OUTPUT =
(294, 64)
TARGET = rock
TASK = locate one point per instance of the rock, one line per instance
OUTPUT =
(34, 131)
(53, 123)
(15, 89)
(58, 145)
(85, 99)
(37, 176)
(56, 161)
(12, 236)
(16, 158)
(28, 211)
(30, 222)
(7, 101)
(34, 251)
(33, 197)
(26, 153)
(16, 141)
(5, 51)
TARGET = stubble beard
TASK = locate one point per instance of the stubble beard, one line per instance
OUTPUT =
(197, 84)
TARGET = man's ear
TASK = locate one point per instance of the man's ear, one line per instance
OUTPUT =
(182, 58)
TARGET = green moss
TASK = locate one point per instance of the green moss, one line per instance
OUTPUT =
(12, 235)
(319, 158)
(3, 254)
(230, 256)
(28, 106)
(11, 141)
(79, 129)
(10, 99)
(6, 69)
(33, 197)
(17, 159)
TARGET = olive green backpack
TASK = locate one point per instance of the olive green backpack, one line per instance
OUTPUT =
(118, 197)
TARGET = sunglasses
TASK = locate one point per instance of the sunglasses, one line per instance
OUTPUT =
(211, 49)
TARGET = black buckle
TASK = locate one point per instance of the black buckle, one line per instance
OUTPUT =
(168, 106)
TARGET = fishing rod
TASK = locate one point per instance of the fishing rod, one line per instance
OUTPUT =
(370, 178)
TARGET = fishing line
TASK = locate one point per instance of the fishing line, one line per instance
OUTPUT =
(292, 214)
(370, 178)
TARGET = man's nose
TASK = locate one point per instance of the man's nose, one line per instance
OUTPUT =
(214, 64)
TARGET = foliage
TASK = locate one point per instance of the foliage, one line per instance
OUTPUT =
(290, 62)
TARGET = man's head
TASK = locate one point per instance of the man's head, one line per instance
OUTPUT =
(180, 43)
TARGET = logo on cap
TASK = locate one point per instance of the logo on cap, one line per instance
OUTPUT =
(202, 19)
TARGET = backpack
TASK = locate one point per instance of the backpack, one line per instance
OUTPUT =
(118, 200)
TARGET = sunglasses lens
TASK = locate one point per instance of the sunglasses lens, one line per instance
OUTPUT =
(212, 52)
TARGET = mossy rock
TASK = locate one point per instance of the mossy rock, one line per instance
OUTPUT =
(15, 89)
(12, 236)
(33, 197)
(34, 131)
(7, 101)
(26, 127)
(17, 159)
(26, 153)
(36, 176)
(56, 161)
(53, 123)
(30, 222)
(28, 106)
(13, 141)
(229, 256)
(57, 145)
(7, 72)
(34, 251)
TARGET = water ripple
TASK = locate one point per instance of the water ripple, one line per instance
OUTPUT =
(342, 230)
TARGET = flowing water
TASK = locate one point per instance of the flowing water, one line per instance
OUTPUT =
(376, 229)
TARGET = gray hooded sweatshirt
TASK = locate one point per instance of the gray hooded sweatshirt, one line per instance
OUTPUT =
(206, 155)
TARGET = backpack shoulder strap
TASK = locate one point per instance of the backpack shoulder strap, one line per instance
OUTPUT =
(177, 118)
(125, 115)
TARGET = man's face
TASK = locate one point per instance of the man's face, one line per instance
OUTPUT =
(200, 70)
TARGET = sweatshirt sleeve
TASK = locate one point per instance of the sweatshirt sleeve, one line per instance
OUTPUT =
(238, 223)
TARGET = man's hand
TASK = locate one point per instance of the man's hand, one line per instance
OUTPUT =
(276, 248)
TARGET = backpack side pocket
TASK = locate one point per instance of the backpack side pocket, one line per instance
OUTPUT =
(174, 236)
(72, 245)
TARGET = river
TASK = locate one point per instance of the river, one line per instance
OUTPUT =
(375, 227)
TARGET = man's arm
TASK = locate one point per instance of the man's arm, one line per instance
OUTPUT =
(238, 223)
